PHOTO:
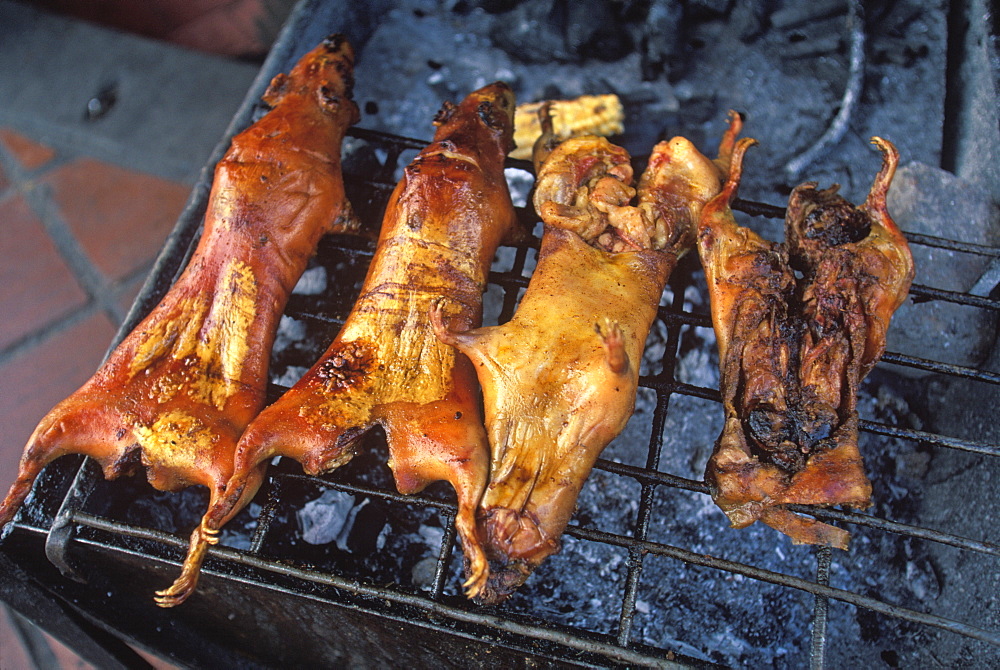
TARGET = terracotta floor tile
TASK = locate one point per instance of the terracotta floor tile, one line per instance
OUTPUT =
(36, 286)
(119, 216)
(68, 659)
(12, 654)
(32, 155)
(36, 380)
(230, 27)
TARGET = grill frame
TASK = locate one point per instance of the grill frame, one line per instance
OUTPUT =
(78, 542)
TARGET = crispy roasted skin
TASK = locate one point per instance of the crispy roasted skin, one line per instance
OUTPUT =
(799, 325)
(559, 380)
(441, 229)
(178, 391)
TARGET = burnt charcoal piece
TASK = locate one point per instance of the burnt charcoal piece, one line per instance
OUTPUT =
(180, 388)
(593, 29)
(660, 37)
(799, 326)
(540, 31)
(490, 6)
(531, 33)
(442, 226)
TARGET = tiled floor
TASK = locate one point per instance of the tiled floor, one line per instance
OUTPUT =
(77, 238)
(78, 233)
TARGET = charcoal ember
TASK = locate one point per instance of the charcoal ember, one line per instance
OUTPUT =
(900, 52)
(293, 343)
(539, 31)
(755, 77)
(238, 533)
(708, 8)
(795, 14)
(928, 200)
(358, 156)
(970, 583)
(890, 567)
(312, 282)
(289, 375)
(423, 572)
(291, 331)
(399, 84)
(922, 579)
(520, 183)
(717, 617)
(660, 37)
(493, 6)
(155, 511)
(594, 29)
(894, 464)
(531, 33)
(750, 19)
(678, 600)
(571, 587)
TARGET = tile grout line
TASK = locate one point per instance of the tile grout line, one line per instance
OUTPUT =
(33, 644)
(39, 335)
(38, 197)
(98, 287)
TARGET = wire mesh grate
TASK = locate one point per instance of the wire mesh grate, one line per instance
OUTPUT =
(620, 643)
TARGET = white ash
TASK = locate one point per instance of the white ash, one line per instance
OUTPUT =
(312, 282)
(423, 573)
(520, 183)
(329, 518)
(432, 535)
(291, 376)
(289, 330)
(238, 533)
(402, 82)
(383, 535)
(928, 200)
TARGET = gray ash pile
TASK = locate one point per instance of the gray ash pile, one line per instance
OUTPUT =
(678, 67)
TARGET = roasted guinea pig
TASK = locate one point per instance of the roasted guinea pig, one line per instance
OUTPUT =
(441, 229)
(559, 380)
(178, 391)
(799, 325)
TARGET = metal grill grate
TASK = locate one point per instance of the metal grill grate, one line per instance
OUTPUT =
(439, 607)
(82, 519)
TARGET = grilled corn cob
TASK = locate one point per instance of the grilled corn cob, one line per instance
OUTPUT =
(587, 115)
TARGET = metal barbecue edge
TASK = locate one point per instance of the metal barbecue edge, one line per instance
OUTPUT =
(70, 518)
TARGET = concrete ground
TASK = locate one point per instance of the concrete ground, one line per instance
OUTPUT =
(102, 134)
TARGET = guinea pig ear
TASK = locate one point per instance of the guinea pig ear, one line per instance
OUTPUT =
(445, 113)
(276, 90)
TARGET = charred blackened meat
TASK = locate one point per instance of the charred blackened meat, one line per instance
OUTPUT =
(799, 326)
